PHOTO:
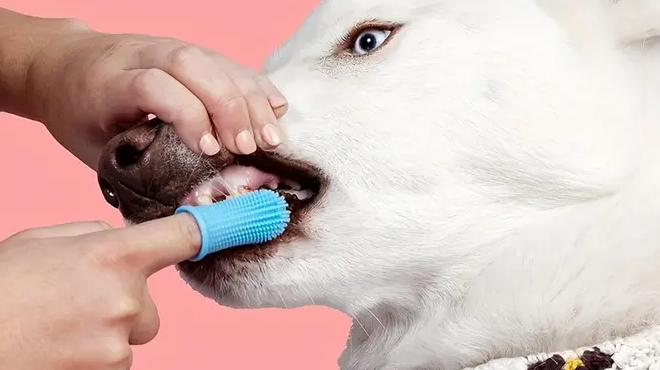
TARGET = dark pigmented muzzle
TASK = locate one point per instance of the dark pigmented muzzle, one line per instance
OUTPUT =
(146, 170)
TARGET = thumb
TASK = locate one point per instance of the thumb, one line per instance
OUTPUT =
(153, 245)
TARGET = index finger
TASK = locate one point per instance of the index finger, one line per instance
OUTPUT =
(207, 76)
(154, 245)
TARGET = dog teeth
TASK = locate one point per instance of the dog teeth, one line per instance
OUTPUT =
(204, 200)
(300, 194)
(292, 184)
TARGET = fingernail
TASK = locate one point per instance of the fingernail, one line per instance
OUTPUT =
(209, 145)
(277, 102)
(271, 134)
(245, 142)
(280, 111)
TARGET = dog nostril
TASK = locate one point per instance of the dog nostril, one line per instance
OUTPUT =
(127, 155)
(109, 193)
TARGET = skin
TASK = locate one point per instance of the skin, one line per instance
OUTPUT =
(75, 296)
(87, 86)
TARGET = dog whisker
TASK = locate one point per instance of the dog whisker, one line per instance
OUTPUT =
(350, 348)
(198, 161)
(153, 176)
(154, 129)
(375, 317)
(283, 301)
(309, 296)
(361, 326)
(205, 281)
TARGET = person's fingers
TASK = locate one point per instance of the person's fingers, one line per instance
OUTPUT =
(63, 230)
(230, 115)
(266, 104)
(150, 246)
(262, 118)
(276, 99)
(147, 322)
(201, 73)
(156, 92)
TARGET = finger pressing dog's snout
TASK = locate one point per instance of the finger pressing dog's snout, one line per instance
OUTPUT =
(277, 101)
(156, 92)
(262, 116)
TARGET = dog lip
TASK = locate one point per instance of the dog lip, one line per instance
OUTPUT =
(137, 207)
(259, 170)
(308, 176)
(118, 186)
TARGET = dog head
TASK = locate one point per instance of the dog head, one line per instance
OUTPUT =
(419, 133)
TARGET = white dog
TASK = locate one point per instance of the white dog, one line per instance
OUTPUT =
(470, 179)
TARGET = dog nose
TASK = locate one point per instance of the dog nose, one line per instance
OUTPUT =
(125, 161)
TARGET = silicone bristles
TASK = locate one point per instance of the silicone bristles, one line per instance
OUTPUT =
(250, 218)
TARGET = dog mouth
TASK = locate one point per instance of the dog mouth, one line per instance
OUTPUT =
(158, 174)
(298, 186)
(157, 190)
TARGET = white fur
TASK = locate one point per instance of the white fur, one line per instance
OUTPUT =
(494, 175)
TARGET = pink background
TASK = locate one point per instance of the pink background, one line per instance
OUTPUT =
(49, 186)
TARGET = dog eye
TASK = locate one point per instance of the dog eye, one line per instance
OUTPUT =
(369, 40)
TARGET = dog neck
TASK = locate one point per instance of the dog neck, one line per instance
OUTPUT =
(551, 284)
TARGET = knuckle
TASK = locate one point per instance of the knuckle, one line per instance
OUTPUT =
(261, 112)
(250, 89)
(231, 101)
(189, 114)
(228, 107)
(181, 56)
(144, 79)
(117, 352)
(126, 308)
(120, 44)
(148, 332)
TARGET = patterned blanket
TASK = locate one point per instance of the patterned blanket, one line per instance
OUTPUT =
(637, 352)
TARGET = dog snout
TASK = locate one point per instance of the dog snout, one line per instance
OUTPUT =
(129, 152)
(126, 161)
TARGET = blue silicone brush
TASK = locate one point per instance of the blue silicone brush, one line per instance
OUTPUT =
(250, 218)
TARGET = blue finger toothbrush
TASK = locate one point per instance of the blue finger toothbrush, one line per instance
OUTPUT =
(251, 218)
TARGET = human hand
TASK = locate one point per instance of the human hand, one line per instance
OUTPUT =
(92, 85)
(75, 296)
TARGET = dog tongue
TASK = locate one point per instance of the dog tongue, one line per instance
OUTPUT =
(231, 180)
(238, 177)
